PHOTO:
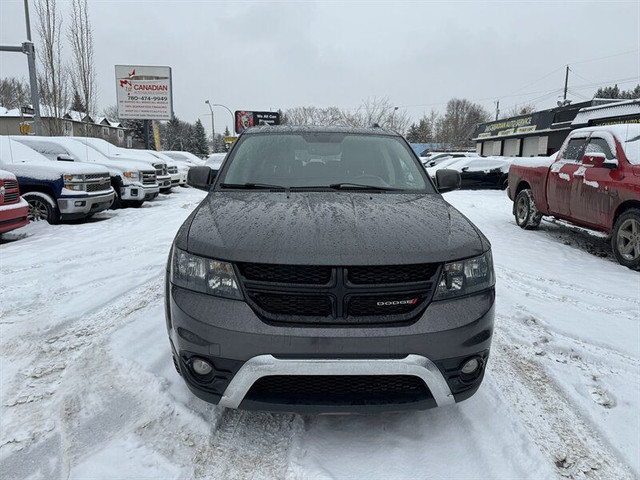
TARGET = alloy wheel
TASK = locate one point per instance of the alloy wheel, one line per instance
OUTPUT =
(628, 239)
(38, 210)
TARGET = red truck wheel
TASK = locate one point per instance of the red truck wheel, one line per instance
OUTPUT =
(625, 240)
(525, 211)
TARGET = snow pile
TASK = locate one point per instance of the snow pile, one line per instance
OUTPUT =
(88, 389)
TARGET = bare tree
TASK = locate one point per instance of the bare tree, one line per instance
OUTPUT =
(519, 110)
(54, 78)
(372, 112)
(80, 35)
(14, 92)
(460, 120)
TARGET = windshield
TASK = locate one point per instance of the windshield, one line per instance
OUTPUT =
(318, 159)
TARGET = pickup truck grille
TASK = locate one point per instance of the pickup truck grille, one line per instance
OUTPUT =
(148, 178)
(321, 295)
(161, 169)
(11, 193)
(172, 170)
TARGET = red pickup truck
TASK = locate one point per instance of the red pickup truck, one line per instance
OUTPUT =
(13, 209)
(593, 182)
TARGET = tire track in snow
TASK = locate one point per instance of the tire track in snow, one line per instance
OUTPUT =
(246, 444)
(551, 419)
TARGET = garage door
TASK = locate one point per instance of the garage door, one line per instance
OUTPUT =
(511, 147)
(530, 147)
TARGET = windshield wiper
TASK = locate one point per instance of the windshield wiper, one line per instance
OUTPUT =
(254, 186)
(359, 186)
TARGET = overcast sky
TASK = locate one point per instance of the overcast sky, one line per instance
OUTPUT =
(268, 55)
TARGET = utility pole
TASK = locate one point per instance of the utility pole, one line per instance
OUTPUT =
(29, 50)
(497, 109)
(213, 130)
(566, 85)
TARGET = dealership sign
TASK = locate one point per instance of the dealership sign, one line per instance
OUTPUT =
(530, 123)
(246, 119)
(144, 93)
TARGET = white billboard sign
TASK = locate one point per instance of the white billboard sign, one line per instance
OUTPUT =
(144, 93)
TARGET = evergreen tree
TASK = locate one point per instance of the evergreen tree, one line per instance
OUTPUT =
(77, 104)
(200, 142)
(227, 133)
(615, 92)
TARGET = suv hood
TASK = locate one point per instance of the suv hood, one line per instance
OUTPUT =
(331, 228)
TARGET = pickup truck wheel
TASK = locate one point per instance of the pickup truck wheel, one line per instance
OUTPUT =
(526, 213)
(625, 240)
(42, 207)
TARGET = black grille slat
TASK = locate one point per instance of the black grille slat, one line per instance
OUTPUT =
(339, 389)
(11, 197)
(264, 272)
(305, 305)
(385, 274)
(10, 184)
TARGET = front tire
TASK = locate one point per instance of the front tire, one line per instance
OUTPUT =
(525, 211)
(625, 239)
(42, 207)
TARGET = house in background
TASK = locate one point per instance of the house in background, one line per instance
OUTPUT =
(71, 124)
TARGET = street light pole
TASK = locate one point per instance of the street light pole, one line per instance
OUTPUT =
(393, 116)
(213, 130)
(233, 118)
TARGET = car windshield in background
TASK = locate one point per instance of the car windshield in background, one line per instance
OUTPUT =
(324, 160)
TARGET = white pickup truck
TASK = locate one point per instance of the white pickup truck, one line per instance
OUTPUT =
(163, 179)
(133, 181)
(56, 191)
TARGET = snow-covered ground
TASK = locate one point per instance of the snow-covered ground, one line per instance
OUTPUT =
(88, 390)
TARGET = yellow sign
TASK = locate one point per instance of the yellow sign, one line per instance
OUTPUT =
(230, 139)
(156, 136)
(25, 128)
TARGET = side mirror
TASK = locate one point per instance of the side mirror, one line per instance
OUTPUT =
(201, 178)
(65, 158)
(447, 180)
(595, 159)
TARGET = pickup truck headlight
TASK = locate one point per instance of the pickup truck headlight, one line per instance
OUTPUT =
(204, 275)
(131, 175)
(466, 276)
(73, 178)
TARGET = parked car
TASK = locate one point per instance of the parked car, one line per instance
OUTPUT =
(133, 181)
(594, 182)
(436, 158)
(342, 283)
(478, 172)
(177, 170)
(14, 210)
(185, 157)
(214, 161)
(116, 153)
(56, 191)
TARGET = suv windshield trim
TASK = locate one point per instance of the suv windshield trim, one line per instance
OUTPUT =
(430, 187)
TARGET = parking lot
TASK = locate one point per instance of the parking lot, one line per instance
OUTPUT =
(88, 385)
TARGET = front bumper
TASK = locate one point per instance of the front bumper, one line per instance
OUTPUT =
(139, 192)
(242, 348)
(13, 216)
(164, 182)
(79, 206)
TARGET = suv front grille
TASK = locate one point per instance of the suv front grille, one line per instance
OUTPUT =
(322, 295)
(339, 389)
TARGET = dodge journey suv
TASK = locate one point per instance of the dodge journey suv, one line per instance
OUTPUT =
(324, 272)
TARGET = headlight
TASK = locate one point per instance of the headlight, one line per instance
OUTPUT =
(78, 187)
(204, 275)
(74, 178)
(131, 175)
(466, 276)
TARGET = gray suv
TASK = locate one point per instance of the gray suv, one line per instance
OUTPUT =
(324, 272)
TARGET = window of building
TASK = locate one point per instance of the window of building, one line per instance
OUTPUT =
(120, 134)
(105, 132)
(68, 128)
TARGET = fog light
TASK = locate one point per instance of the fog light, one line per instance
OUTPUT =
(470, 366)
(80, 204)
(201, 367)
(134, 192)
